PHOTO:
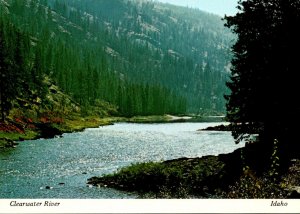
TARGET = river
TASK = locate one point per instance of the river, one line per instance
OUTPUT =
(60, 167)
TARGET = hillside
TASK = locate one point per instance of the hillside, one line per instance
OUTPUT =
(145, 57)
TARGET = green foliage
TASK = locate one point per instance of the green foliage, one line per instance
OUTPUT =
(28, 135)
(6, 89)
(149, 119)
(178, 178)
(105, 50)
(16, 79)
(82, 70)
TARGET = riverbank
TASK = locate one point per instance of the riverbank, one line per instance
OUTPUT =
(75, 157)
(20, 128)
(26, 129)
(223, 176)
(244, 173)
(33, 118)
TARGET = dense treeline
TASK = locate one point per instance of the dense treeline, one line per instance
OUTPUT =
(79, 68)
(180, 50)
(20, 65)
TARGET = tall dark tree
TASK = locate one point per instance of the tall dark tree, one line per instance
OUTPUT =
(7, 78)
(3, 71)
(264, 89)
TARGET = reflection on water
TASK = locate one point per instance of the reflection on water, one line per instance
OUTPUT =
(60, 167)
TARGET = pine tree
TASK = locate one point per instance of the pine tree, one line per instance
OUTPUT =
(263, 84)
(4, 70)
(9, 75)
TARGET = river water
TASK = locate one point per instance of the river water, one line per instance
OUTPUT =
(60, 167)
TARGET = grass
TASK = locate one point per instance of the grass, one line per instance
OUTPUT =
(149, 119)
(75, 123)
(79, 124)
(181, 178)
(7, 138)
(28, 135)
(69, 125)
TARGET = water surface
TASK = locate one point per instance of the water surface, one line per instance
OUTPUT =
(64, 164)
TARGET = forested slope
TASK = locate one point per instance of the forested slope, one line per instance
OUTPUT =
(144, 57)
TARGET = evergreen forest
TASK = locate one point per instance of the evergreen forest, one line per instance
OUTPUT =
(144, 57)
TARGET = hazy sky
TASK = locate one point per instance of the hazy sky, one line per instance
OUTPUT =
(220, 7)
